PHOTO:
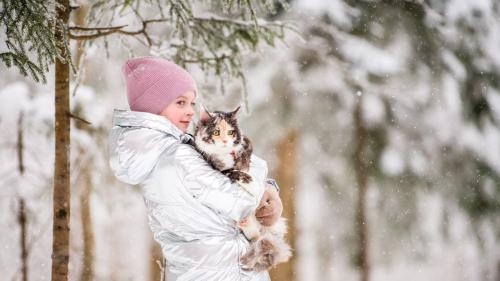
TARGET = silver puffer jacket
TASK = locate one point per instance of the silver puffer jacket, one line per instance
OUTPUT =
(192, 208)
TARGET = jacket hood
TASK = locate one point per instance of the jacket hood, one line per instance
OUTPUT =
(136, 141)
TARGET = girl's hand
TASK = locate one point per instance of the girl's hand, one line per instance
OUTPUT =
(270, 207)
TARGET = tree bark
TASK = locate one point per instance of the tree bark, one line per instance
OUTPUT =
(498, 271)
(20, 144)
(87, 273)
(22, 210)
(285, 176)
(361, 135)
(61, 191)
(79, 19)
(24, 233)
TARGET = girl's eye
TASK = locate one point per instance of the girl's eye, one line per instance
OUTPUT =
(181, 102)
(216, 133)
(193, 104)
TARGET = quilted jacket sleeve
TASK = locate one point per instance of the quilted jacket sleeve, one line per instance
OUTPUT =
(134, 152)
(214, 190)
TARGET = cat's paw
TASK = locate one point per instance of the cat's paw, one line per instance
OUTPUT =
(239, 176)
(266, 253)
(245, 178)
(250, 228)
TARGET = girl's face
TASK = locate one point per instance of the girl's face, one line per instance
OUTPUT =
(180, 111)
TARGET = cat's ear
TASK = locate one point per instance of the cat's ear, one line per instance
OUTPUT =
(234, 112)
(204, 114)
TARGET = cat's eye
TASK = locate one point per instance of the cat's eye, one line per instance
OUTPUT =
(216, 133)
(230, 132)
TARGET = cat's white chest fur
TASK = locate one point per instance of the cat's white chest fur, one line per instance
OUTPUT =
(223, 152)
(228, 161)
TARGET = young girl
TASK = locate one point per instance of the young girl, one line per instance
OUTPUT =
(193, 209)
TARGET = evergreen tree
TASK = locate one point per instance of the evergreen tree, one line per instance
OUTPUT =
(417, 63)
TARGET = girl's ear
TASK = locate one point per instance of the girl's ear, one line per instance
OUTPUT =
(234, 112)
(204, 114)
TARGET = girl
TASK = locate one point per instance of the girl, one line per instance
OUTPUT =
(193, 209)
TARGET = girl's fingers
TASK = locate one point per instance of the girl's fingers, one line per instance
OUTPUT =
(268, 220)
(265, 211)
(264, 200)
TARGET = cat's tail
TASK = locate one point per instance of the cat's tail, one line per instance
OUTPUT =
(268, 251)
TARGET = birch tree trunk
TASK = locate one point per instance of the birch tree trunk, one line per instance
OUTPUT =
(361, 178)
(286, 178)
(61, 191)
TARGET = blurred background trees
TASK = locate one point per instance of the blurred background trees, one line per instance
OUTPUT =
(379, 121)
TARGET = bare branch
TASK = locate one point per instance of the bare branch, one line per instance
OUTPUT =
(79, 119)
(84, 28)
(92, 36)
(105, 31)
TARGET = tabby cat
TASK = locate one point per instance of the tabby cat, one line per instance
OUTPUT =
(219, 139)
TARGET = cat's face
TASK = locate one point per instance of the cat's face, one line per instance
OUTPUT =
(218, 130)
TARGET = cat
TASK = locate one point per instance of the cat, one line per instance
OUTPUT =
(219, 140)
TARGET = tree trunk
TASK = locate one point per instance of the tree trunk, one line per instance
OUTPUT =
(22, 210)
(498, 271)
(87, 273)
(20, 144)
(361, 177)
(156, 257)
(285, 176)
(24, 233)
(61, 192)
(79, 20)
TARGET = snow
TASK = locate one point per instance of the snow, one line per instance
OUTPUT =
(418, 230)
(392, 162)
(13, 100)
(338, 10)
(370, 58)
(458, 9)
(373, 110)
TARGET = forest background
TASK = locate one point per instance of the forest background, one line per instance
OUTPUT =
(379, 119)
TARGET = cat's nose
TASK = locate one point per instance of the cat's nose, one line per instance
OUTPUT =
(224, 141)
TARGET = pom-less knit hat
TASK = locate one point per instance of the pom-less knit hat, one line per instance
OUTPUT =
(153, 83)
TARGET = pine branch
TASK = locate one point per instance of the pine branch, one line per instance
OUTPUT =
(213, 42)
(29, 32)
(24, 65)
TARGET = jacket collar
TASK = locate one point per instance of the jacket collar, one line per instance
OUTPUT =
(128, 118)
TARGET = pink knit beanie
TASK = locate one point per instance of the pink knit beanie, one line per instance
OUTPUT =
(153, 83)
